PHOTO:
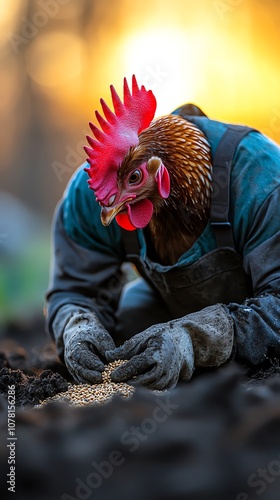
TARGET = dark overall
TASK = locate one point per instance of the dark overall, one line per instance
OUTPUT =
(217, 277)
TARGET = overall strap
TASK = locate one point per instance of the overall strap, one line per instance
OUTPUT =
(220, 200)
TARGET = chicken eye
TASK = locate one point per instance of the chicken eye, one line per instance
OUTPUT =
(135, 177)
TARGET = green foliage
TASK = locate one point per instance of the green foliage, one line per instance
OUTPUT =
(23, 281)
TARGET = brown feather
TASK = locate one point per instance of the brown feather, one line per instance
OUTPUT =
(184, 150)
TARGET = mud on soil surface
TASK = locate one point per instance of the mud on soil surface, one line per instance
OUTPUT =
(30, 389)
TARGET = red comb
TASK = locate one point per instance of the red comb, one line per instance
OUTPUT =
(119, 131)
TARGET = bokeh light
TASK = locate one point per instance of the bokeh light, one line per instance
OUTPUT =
(56, 59)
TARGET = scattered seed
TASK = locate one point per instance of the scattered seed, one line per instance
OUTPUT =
(96, 394)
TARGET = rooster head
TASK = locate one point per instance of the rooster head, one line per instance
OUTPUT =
(123, 188)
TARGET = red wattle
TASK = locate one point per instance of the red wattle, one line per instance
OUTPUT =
(124, 222)
(138, 215)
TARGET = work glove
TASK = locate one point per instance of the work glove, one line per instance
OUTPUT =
(164, 353)
(85, 342)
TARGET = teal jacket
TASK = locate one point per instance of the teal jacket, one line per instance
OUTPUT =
(87, 256)
(255, 174)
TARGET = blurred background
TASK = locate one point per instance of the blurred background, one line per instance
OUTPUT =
(58, 57)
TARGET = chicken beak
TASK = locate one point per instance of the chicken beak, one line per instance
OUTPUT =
(109, 213)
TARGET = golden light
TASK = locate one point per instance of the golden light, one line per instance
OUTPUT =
(55, 59)
(9, 12)
(155, 58)
(209, 53)
(224, 75)
(220, 55)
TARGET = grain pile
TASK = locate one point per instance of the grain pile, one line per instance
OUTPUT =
(87, 394)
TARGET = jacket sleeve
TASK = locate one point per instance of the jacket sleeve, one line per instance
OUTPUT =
(84, 272)
(257, 321)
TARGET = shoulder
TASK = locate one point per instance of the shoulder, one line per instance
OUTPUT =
(255, 179)
(256, 167)
(81, 216)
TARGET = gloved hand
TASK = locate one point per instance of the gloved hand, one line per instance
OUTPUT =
(86, 343)
(157, 357)
(163, 353)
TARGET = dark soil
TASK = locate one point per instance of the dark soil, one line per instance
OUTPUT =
(215, 438)
(28, 360)
(30, 389)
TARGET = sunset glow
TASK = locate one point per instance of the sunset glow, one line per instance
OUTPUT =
(221, 55)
